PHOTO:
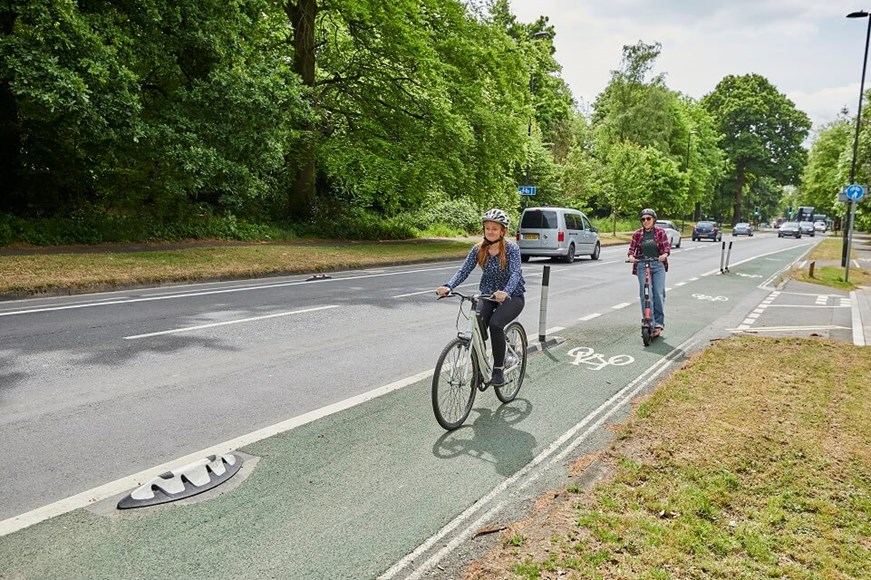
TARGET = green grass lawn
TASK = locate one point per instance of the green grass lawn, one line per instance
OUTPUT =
(751, 461)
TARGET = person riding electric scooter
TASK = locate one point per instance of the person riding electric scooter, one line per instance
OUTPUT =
(651, 242)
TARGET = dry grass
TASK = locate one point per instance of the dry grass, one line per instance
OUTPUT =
(96, 270)
(90, 269)
(764, 472)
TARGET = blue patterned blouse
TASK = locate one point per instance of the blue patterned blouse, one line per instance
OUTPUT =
(509, 280)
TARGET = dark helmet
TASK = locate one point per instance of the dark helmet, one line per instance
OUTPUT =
(648, 211)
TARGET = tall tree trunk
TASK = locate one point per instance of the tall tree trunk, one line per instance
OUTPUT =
(302, 13)
(739, 193)
(10, 132)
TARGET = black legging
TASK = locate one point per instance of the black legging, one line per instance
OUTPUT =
(495, 317)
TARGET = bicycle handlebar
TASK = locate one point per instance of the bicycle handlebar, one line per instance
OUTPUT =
(469, 297)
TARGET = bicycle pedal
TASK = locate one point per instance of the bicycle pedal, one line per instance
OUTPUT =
(483, 386)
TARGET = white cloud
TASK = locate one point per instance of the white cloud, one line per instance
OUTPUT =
(808, 49)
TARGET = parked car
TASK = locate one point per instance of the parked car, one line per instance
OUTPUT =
(742, 229)
(820, 226)
(789, 230)
(707, 230)
(557, 232)
(806, 228)
(673, 232)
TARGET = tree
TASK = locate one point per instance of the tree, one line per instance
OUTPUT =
(828, 167)
(763, 132)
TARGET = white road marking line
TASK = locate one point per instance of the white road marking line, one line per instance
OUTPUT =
(792, 328)
(680, 284)
(856, 320)
(131, 482)
(220, 291)
(808, 306)
(621, 305)
(554, 329)
(694, 279)
(589, 316)
(225, 323)
(748, 321)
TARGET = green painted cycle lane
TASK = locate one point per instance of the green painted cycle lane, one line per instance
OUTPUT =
(353, 493)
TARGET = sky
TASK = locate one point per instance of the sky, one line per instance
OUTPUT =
(808, 49)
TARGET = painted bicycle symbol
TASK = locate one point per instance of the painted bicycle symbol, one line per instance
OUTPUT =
(596, 361)
(711, 298)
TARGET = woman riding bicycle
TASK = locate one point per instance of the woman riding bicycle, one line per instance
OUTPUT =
(501, 279)
(651, 242)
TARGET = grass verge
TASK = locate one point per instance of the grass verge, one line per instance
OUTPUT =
(81, 269)
(764, 472)
(827, 271)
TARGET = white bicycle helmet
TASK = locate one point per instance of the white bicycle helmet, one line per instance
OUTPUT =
(496, 215)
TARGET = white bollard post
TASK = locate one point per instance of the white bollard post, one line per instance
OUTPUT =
(542, 311)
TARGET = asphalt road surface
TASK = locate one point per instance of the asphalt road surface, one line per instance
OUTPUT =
(324, 386)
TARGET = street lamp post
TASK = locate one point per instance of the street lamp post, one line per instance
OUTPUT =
(848, 229)
(698, 206)
(535, 36)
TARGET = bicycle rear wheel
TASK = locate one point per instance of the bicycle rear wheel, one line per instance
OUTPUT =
(515, 336)
(454, 384)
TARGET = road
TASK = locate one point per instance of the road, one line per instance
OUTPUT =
(324, 384)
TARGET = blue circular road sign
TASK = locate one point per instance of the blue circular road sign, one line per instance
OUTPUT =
(854, 192)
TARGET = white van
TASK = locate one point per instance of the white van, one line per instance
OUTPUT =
(557, 232)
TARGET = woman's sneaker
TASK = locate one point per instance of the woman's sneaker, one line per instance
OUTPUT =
(498, 377)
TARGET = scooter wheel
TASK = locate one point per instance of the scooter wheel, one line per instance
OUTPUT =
(645, 335)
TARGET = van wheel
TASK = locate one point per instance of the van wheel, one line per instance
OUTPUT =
(570, 255)
(596, 252)
(523, 258)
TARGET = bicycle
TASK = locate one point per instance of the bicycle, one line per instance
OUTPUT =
(647, 318)
(464, 366)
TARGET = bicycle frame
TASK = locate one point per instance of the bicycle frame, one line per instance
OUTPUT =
(474, 335)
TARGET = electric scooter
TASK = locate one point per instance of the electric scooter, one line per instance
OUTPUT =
(647, 304)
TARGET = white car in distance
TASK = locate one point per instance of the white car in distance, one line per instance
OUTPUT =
(673, 232)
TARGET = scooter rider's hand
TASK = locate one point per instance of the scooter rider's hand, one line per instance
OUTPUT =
(663, 257)
(633, 259)
(500, 296)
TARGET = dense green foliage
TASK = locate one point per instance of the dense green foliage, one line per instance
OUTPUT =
(152, 119)
(763, 134)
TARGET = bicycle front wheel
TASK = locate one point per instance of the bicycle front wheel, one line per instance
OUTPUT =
(454, 384)
(515, 353)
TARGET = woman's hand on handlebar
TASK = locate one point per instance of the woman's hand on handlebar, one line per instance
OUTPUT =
(443, 291)
(500, 296)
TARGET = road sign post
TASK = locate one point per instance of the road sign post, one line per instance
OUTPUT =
(854, 193)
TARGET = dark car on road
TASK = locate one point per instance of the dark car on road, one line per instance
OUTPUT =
(706, 230)
(807, 228)
(789, 230)
(742, 229)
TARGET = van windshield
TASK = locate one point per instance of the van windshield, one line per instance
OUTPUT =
(539, 219)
